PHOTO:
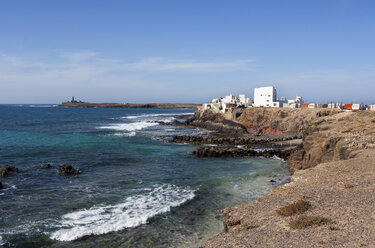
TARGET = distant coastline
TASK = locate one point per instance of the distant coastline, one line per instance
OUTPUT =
(79, 104)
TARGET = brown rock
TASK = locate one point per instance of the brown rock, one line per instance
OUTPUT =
(6, 169)
(68, 169)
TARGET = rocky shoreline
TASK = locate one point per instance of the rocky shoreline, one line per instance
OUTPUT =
(227, 141)
(215, 152)
(333, 178)
(331, 157)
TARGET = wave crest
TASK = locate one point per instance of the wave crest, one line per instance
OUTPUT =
(134, 211)
(134, 126)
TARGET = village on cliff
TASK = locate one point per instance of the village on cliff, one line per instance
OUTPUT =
(267, 97)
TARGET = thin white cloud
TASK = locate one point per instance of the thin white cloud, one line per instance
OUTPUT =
(159, 64)
(78, 56)
(86, 74)
(92, 60)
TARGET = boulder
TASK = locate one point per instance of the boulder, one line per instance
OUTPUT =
(6, 169)
(3, 173)
(46, 166)
(9, 168)
(68, 169)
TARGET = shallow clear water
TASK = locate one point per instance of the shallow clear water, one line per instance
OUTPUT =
(135, 190)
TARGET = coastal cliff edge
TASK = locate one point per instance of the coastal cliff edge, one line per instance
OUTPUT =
(333, 174)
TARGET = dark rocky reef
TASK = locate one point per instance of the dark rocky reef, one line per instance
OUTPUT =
(46, 166)
(68, 169)
(6, 169)
(236, 152)
(230, 141)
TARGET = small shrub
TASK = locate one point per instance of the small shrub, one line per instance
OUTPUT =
(347, 186)
(306, 221)
(297, 207)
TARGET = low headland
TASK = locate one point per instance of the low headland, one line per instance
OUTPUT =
(331, 157)
(79, 104)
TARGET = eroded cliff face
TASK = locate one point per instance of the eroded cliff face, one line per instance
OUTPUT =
(334, 138)
(216, 122)
(272, 121)
(260, 121)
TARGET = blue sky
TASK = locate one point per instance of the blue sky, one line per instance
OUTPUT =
(185, 51)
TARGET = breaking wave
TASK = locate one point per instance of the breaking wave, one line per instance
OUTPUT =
(134, 126)
(131, 134)
(134, 211)
(153, 115)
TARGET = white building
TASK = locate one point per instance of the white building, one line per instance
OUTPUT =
(231, 99)
(313, 105)
(243, 100)
(333, 105)
(222, 103)
(297, 103)
(266, 97)
(357, 106)
(372, 107)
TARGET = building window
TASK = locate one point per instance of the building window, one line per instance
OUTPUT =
(268, 100)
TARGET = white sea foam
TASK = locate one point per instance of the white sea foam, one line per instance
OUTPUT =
(262, 149)
(134, 126)
(2, 241)
(277, 158)
(131, 134)
(134, 211)
(154, 115)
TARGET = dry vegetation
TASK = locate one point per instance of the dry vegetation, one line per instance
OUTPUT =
(307, 221)
(347, 186)
(297, 207)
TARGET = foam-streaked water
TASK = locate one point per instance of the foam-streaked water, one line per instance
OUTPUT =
(135, 190)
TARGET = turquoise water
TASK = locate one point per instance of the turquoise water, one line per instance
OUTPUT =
(136, 189)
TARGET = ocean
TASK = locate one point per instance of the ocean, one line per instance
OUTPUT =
(136, 189)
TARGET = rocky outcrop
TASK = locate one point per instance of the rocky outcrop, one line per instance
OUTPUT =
(6, 169)
(258, 121)
(46, 166)
(270, 121)
(210, 120)
(235, 152)
(334, 138)
(230, 141)
(68, 169)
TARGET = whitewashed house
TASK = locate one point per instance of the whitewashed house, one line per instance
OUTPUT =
(357, 106)
(266, 97)
(297, 103)
(333, 105)
(312, 105)
(243, 100)
(230, 101)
